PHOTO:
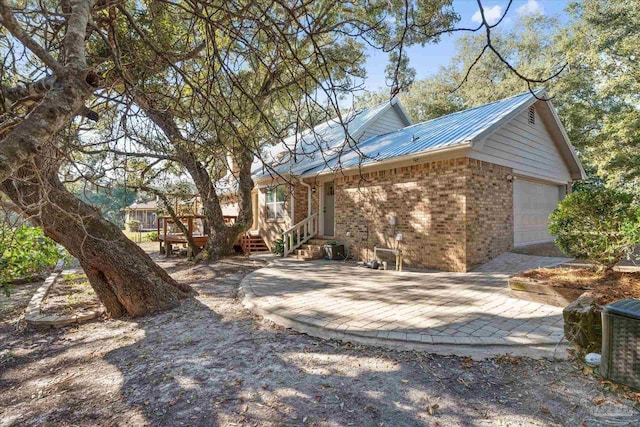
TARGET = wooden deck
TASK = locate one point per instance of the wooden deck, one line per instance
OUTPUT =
(169, 234)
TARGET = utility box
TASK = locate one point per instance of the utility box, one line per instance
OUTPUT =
(621, 342)
(334, 252)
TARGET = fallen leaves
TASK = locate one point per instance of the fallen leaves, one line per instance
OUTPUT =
(507, 359)
(433, 409)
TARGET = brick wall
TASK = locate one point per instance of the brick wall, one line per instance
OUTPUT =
(453, 214)
(301, 203)
(489, 211)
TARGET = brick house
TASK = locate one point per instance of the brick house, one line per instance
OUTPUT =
(460, 189)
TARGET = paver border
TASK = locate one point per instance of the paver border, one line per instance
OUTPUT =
(477, 347)
(33, 315)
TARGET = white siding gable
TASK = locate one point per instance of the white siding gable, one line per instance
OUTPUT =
(526, 148)
(385, 123)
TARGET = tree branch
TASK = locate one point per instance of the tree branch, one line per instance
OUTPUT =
(9, 22)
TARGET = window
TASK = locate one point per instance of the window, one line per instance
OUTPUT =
(275, 203)
(532, 115)
(330, 190)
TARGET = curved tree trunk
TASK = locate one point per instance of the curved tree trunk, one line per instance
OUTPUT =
(193, 248)
(222, 238)
(125, 278)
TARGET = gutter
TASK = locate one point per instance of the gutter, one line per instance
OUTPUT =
(415, 157)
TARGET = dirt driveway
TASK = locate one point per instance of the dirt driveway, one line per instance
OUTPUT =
(210, 363)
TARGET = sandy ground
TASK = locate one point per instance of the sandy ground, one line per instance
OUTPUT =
(211, 363)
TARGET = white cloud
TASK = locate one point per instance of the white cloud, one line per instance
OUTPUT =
(531, 7)
(491, 14)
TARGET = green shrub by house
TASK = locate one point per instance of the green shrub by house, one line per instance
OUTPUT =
(600, 225)
(278, 245)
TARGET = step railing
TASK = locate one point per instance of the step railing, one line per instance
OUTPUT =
(244, 243)
(299, 234)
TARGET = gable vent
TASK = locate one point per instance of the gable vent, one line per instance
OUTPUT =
(532, 115)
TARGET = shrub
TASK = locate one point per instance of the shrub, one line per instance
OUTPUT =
(278, 245)
(599, 225)
(24, 251)
(152, 236)
(132, 225)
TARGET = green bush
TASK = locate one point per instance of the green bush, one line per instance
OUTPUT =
(278, 245)
(24, 251)
(132, 225)
(152, 236)
(600, 225)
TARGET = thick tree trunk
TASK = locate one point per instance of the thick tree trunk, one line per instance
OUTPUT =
(125, 278)
(221, 237)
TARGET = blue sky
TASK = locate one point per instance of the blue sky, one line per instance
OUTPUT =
(428, 59)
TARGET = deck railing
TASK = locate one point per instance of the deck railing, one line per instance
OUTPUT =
(299, 234)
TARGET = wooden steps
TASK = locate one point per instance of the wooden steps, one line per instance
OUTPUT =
(253, 243)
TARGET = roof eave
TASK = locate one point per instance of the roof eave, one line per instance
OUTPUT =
(479, 139)
(463, 146)
(581, 174)
(577, 171)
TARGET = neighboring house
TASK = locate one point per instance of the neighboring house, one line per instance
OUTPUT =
(144, 212)
(460, 189)
(147, 212)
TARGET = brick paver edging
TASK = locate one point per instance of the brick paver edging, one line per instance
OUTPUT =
(33, 315)
(539, 347)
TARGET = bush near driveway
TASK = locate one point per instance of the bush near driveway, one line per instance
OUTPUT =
(600, 225)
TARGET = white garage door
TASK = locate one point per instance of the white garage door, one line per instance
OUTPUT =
(532, 204)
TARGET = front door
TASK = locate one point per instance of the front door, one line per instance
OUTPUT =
(328, 208)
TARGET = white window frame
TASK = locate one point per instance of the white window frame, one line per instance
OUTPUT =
(275, 203)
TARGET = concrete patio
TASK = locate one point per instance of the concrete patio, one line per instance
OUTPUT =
(451, 313)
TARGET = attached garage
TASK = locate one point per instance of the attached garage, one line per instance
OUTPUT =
(533, 202)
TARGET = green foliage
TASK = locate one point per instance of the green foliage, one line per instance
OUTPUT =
(132, 225)
(597, 95)
(278, 245)
(25, 251)
(108, 201)
(152, 236)
(600, 225)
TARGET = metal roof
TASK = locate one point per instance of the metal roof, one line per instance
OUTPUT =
(443, 132)
(150, 205)
(316, 146)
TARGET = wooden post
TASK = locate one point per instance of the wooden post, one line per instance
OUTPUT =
(164, 226)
